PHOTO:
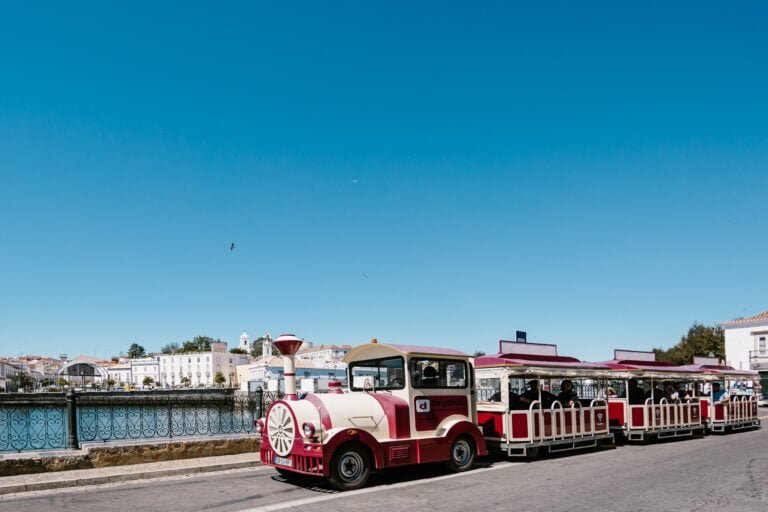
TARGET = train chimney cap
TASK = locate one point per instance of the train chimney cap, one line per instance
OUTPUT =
(288, 344)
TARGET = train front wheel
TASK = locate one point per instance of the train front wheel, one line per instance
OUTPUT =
(350, 468)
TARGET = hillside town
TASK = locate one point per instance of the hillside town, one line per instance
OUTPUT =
(256, 363)
(248, 365)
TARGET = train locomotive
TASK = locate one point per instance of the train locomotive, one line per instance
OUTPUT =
(406, 405)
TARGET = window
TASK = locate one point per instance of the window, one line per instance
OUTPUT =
(388, 373)
(489, 389)
(761, 344)
(438, 373)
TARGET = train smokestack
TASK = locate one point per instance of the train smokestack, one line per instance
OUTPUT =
(288, 345)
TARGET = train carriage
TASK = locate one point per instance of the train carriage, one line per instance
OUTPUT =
(521, 426)
(406, 405)
(736, 412)
(653, 412)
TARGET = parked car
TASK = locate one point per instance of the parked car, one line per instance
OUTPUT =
(763, 401)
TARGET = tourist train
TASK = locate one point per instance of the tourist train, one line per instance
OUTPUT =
(410, 405)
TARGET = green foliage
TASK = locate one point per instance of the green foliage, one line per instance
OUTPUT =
(478, 353)
(148, 381)
(110, 383)
(199, 344)
(46, 382)
(136, 351)
(62, 382)
(219, 378)
(258, 347)
(170, 348)
(699, 341)
(185, 381)
(238, 350)
(23, 380)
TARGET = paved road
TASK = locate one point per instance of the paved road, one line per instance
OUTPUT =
(723, 473)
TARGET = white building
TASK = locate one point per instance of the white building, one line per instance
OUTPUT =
(323, 353)
(746, 344)
(143, 368)
(7, 372)
(200, 368)
(120, 373)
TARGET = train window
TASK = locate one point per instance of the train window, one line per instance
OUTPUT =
(489, 389)
(388, 373)
(438, 373)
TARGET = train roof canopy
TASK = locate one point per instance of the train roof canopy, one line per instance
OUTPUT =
(375, 350)
(537, 359)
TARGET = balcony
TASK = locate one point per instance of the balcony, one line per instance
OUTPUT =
(758, 360)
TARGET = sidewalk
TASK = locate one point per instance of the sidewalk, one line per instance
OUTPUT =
(78, 477)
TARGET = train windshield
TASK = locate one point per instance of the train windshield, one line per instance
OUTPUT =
(387, 373)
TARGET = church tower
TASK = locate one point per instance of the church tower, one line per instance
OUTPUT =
(245, 342)
(266, 347)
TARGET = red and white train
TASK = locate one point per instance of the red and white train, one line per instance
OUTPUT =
(412, 405)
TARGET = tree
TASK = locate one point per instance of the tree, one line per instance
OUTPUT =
(219, 379)
(238, 350)
(46, 382)
(699, 341)
(110, 383)
(258, 347)
(23, 380)
(170, 348)
(62, 382)
(185, 381)
(199, 344)
(478, 353)
(148, 381)
(136, 351)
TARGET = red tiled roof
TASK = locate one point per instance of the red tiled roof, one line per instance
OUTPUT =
(758, 317)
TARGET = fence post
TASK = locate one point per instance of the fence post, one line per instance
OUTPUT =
(72, 443)
(260, 402)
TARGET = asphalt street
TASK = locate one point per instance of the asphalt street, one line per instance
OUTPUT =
(716, 473)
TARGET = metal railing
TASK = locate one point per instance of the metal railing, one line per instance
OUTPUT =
(583, 420)
(671, 414)
(57, 421)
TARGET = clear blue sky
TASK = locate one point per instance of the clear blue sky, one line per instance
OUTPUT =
(593, 173)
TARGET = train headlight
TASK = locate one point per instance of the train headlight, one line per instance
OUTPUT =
(309, 429)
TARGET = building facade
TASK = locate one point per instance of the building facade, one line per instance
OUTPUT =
(7, 372)
(746, 344)
(143, 368)
(199, 369)
(120, 373)
(323, 353)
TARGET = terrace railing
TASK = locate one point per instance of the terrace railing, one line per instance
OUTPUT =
(57, 421)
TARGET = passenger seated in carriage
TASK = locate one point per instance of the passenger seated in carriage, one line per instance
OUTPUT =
(532, 394)
(655, 393)
(567, 396)
(636, 395)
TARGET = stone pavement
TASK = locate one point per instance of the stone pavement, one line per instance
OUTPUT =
(78, 477)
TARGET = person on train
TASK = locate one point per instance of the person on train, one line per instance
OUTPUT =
(636, 395)
(655, 393)
(567, 395)
(670, 393)
(718, 395)
(532, 394)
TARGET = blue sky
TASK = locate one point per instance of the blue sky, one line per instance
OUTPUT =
(593, 173)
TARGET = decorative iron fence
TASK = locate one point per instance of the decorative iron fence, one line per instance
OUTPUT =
(55, 421)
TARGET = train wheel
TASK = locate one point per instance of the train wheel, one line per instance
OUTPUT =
(533, 452)
(462, 454)
(350, 468)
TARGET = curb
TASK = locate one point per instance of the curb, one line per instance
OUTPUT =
(127, 477)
